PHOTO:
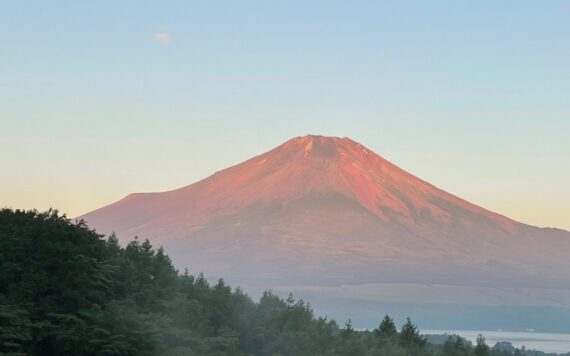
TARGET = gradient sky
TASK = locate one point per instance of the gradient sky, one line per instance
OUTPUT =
(101, 99)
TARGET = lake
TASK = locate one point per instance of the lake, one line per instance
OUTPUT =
(546, 342)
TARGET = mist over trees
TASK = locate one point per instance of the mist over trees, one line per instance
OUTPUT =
(65, 290)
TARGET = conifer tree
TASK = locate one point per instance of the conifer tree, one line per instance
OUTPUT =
(387, 328)
(481, 348)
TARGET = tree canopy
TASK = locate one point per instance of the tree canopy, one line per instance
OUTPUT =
(66, 290)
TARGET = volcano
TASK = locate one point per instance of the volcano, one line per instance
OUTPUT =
(323, 213)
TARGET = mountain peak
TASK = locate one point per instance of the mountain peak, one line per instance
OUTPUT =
(309, 169)
(324, 141)
(325, 147)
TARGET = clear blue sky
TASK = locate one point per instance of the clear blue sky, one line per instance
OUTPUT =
(101, 99)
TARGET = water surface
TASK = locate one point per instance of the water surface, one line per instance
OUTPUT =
(546, 342)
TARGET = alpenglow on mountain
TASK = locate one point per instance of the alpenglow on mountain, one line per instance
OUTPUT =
(327, 215)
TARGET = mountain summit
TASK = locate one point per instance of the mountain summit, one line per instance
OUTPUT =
(322, 211)
(315, 167)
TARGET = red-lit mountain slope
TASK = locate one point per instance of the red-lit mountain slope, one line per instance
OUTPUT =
(328, 211)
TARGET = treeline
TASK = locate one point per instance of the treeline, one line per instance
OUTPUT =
(65, 290)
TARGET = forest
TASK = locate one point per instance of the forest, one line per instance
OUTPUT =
(66, 290)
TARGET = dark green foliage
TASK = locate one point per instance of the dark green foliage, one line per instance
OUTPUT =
(411, 340)
(455, 346)
(386, 329)
(64, 290)
(481, 348)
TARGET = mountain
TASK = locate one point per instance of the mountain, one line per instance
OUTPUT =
(327, 215)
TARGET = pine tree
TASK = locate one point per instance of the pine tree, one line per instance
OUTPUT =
(481, 349)
(411, 339)
(455, 346)
(387, 328)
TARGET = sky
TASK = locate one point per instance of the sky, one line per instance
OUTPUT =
(104, 98)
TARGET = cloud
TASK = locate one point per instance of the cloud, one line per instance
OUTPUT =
(162, 37)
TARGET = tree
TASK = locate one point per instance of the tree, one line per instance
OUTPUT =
(411, 339)
(481, 349)
(219, 306)
(349, 343)
(16, 329)
(387, 328)
(455, 346)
